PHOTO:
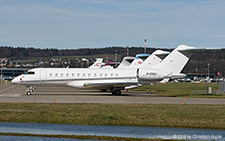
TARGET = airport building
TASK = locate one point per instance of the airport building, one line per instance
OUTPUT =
(10, 73)
(199, 76)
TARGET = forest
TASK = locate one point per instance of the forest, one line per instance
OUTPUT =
(197, 64)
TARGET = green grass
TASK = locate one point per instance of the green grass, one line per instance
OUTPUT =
(182, 89)
(188, 116)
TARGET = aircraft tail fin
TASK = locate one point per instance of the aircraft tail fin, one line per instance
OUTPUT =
(155, 58)
(177, 59)
(126, 62)
(97, 63)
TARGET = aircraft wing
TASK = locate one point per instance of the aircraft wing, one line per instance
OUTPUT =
(102, 84)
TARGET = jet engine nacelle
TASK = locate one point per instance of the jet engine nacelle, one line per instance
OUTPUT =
(150, 75)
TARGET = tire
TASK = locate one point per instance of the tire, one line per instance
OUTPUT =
(116, 92)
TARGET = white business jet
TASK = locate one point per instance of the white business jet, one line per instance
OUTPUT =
(109, 79)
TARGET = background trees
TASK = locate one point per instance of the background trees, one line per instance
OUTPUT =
(197, 64)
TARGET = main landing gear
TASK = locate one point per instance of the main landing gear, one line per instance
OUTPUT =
(116, 92)
(30, 89)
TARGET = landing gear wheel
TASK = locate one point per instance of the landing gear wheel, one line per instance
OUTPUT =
(28, 93)
(30, 89)
(116, 92)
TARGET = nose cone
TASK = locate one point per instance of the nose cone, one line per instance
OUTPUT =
(16, 80)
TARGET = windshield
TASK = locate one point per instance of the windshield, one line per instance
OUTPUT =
(30, 72)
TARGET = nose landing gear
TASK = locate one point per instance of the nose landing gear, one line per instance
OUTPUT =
(30, 89)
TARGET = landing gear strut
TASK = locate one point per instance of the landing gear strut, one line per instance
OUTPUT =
(30, 89)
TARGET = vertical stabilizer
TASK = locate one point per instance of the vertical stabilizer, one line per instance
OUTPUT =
(138, 60)
(126, 62)
(154, 59)
(97, 64)
(177, 59)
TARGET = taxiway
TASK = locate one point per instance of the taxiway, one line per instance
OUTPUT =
(10, 93)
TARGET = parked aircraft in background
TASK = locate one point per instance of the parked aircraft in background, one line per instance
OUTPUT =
(133, 62)
(110, 65)
(114, 80)
(139, 59)
(126, 62)
(98, 63)
(155, 58)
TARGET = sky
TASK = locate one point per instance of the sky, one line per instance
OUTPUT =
(72, 24)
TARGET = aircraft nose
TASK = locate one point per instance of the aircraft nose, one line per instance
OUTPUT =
(16, 80)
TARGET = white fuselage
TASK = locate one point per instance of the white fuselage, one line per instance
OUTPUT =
(77, 77)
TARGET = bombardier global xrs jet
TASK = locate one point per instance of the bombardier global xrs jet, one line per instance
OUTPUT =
(114, 80)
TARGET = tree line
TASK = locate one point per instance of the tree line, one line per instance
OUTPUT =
(22, 52)
(197, 64)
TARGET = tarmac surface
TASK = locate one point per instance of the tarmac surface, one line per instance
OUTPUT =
(10, 93)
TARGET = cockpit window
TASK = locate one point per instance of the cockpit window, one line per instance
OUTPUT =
(30, 72)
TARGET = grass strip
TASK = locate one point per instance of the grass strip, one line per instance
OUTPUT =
(158, 115)
(182, 90)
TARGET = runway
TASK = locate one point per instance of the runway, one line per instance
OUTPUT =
(17, 94)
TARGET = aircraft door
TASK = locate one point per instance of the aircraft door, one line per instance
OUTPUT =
(43, 76)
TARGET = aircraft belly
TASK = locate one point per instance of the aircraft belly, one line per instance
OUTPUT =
(103, 84)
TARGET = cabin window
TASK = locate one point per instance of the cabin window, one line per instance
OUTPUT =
(83, 74)
(67, 74)
(56, 74)
(31, 72)
(100, 74)
(89, 75)
(72, 74)
(61, 74)
(117, 75)
(111, 74)
(78, 75)
(95, 75)
(50, 74)
(106, 75)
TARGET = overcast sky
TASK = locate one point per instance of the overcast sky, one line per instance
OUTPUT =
(103, 23)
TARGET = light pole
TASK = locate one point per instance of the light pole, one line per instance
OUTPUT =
(1, 70)
(208, 72)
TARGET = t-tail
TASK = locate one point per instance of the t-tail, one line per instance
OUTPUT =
(155, 58)
(98, 63)
(177, 59)
(170, 67)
